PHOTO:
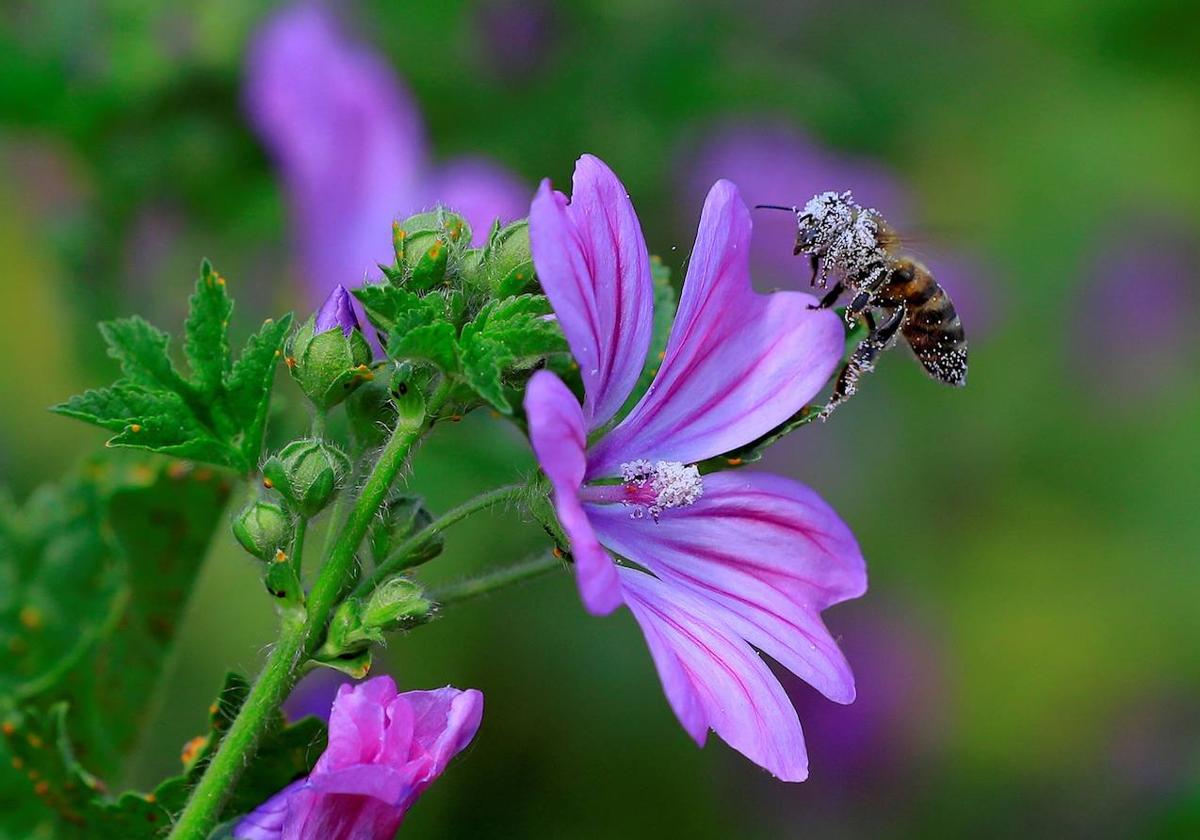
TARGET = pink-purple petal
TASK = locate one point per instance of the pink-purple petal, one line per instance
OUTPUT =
(705, 667)
(445, 720)
(737, 363)
(593, 264)
(767, 553)
(556, 431)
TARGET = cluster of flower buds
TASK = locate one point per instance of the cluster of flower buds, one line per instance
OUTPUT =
(329, 356)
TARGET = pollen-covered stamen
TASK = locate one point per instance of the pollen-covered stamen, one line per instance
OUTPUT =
(650, 488)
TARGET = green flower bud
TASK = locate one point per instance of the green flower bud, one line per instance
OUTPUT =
(401, 517)
(424, 244)
(307, 473)
(262, 528)
(398, 604)
(329, 355)
(507, 263)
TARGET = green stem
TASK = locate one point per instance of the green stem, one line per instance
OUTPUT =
(298, 637)
(298, 545)
(317, 430)
(257, 713)
(399, 560)
(498, 579)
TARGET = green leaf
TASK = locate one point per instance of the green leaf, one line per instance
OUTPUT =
(207, 330)
(249, 385)
(219, 416)
(507, 336)
(483, 363)
(141, 349)
(392, 309)
(95, 574)
(429, 342)
(40, 743)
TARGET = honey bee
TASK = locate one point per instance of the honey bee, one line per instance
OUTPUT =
(862, 253)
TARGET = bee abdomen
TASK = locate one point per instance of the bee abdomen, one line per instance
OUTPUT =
(931, 326)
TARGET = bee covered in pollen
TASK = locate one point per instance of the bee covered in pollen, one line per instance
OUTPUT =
(861, 253)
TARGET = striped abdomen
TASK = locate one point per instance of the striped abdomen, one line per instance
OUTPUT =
(931, 324)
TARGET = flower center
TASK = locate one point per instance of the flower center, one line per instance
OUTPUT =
(650, 488)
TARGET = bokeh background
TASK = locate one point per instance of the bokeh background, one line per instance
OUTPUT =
(1027, 655)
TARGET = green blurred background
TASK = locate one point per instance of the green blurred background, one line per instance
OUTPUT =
(1027, 655)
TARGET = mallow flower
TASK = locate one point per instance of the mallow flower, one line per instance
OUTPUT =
(385, 748)
(350, 144)
(713, 567)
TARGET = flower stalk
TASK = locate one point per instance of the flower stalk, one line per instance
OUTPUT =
(400, 559)
(300, 633)
(497, 579)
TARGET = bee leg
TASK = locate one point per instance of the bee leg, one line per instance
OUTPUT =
(862, 360)
(865, 296)
(815, 262)
(830, 297)
(887, 330)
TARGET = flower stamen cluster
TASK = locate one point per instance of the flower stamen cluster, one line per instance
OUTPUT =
(660, 486)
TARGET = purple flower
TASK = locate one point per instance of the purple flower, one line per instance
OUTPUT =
(350, 143)
(336, 312)
(729, 562)
(384, 749)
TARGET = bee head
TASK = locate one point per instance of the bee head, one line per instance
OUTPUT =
(822, 220)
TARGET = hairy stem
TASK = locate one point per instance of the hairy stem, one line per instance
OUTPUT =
(497, 579)
(300, 634)
(297, 557)
(400, 558)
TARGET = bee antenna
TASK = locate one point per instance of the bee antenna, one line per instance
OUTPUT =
(774, 207)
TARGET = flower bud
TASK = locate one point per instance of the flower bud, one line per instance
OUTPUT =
(307, 473)
(397, 604)
(506, 265)
(262, 528)
(401, 517)
(423, 244)
(329, 355)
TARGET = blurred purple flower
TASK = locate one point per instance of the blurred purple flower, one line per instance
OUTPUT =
(514, 35)
(336, 313)
(384, 749)
(776, 164)
(349, 141)
(1145, 285)
(900, 710)
(737, 561)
